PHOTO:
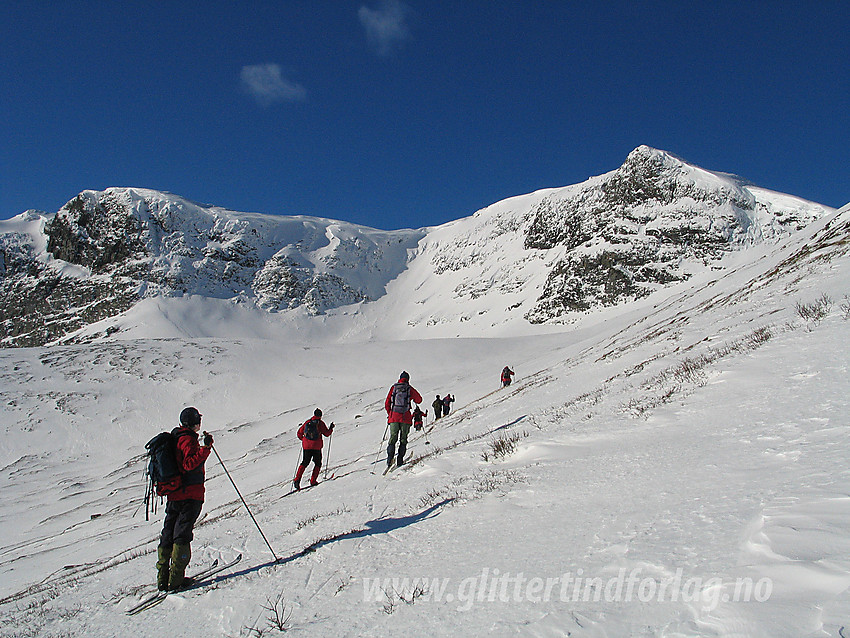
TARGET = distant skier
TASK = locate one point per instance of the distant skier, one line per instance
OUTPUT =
(507, 373)
(447, 404)
(184, 505)
(399, 418)
(418, 416)
(438, 407)
(310, 433)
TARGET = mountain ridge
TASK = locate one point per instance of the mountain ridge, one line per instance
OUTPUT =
(536, 259)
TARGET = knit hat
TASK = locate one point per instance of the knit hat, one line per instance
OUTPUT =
(190, 417)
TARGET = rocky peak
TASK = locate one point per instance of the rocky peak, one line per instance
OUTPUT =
(647, 224)
(95, 231)
(647, 175)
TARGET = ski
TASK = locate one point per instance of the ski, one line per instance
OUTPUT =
(300, 489)
(157, 594)
(393, 466)
(199, 580)
(307, 487)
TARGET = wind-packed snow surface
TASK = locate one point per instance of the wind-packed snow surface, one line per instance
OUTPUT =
(676, 466)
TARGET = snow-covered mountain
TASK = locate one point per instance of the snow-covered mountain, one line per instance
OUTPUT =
(534, 259)
(669, 466)
(125, 245)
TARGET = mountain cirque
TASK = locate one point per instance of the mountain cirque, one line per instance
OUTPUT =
(617, 237)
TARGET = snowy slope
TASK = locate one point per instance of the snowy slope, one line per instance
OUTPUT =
(667, 451)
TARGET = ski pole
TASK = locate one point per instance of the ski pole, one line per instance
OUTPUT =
(276, 559)
(425, 428)
(297, 463)
(328, 459)
(380, 449)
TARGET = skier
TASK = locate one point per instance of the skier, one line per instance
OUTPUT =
(507, 373)
(310, 433)
(418, 415)
(399, 419)
(184, 505)
(447, 404)
(438, 407)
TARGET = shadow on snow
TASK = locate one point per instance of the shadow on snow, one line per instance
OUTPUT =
(373, 528)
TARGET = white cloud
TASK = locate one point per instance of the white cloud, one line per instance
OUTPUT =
(266, 84)
(385, 27)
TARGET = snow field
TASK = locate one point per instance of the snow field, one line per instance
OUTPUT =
(664, 482)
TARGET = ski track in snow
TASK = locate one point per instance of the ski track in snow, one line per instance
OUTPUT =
(626, 461)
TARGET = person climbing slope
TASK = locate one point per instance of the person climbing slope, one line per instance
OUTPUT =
(399, 418)
(447, 404)
(310, 433)
(418, 417)
(184, 505)
(438, 407)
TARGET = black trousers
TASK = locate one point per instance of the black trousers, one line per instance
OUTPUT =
(312, 455)
(180, 519)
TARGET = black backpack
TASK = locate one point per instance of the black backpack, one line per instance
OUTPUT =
(311, 430)
(163, 470)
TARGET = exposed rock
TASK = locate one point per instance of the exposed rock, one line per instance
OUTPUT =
(641, 226)
(128, 244)
(612, 239)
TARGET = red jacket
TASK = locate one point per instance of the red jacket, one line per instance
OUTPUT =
(401, 417)
(308, 444)
(191, 457)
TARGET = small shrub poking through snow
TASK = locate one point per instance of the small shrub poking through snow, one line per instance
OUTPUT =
(277, 619)
(278, 615)
(814, 311)
(503, 445)
(845, 308)
(691, 372)
(493, 480)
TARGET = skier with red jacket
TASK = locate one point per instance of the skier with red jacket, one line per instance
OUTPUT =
(399, 418)
(184, 505)
(310, 433)
(447, 404)
(418, 417)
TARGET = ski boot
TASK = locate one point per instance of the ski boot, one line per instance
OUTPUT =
(163, 566)
(180, 557)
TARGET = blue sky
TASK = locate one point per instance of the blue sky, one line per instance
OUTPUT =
(406, 114)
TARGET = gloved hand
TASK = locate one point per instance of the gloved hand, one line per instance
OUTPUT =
(208, 439)
(332, 426)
